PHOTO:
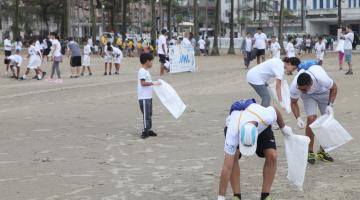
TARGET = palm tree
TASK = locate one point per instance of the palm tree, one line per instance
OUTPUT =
(153, 22)
(281, 19)
(231, 48)
(169, 13)
(92, 18)
(215, 49)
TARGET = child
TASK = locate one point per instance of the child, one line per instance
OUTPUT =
(87, 59)
(108, 58)
(15, 61)
(275, 48)
(320, 49)
(56, 56)
(117, 55)
(144, 91)
(290, 50)
(34, 61)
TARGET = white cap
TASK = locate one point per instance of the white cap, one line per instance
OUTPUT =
(248, 139)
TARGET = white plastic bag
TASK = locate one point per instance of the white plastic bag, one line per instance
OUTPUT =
(296, 149)
(170, 99)
(340, 46)
(285, 93)
(329, 132)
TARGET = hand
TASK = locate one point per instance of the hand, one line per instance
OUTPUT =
(300, 123)
(282, 104)
(329, 110)
(286, 131)
(156, 83)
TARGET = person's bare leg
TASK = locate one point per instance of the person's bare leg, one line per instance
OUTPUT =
(78, 71)
(309, 133)
(17, 72)
(263, 58)
(105, 69)
(89, 69)
(269, 169)
(162, 69)
(110, 68)
(235, 175)
(83, 70)
(258, 59)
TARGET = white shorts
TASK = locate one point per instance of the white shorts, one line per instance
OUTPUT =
(34, 62)
(86, 61)
(108, 59)
(117, 60)
(320, 56)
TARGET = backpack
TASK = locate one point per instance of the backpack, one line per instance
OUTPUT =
(241, 104)
(63, 48)
(356, 40)
(307, 64)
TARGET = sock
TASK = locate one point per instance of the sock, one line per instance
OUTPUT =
(238, 195)
(264, 195)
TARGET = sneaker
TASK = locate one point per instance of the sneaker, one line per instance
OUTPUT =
(268, 198)
(105, 74)
(110, 73)
(311, 158)
(116, 73)
(349, 73)
(21, 78)
(323, 156)
(235, 198)
(152, 134)
(144, 135)
(90, 74)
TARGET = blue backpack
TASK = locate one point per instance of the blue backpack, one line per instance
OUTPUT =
(241, 104)
(307, 64)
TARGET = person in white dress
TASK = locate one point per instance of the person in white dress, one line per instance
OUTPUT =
(290, 49)
(87, 59)
(320, 50)
(275, 48)
(118, 56)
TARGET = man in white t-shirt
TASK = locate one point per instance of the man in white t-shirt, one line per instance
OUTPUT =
(275, 48)
(317, 90)
(7, 49)
(202, 44)
(246, 48)
(248, 131)
(349, 39)
(259, 76)
(320, 50)
(162, 50)
(15, 62)
(260, 44)
(144, 91)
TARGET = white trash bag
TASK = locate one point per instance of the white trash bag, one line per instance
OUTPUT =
(170, 99)
(285, 93)
(296, 149)
(329, 132)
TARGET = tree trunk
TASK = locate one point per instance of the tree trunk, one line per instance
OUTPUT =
(254, 9)
(206, 17)
(68, 19)
(281, 24)
(123, 27)
(169, 13)
(93, 22)
(231, 48)
(260, 13)
(113, 13)
(302, 16)
(153, 23)
(161, 14)
(339, 13)
(16, 30)
(215, 49)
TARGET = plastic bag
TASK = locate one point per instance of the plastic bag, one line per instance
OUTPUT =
(329, 132)
(340, 46)
(170, 99)
(296, 149)
(285, 93)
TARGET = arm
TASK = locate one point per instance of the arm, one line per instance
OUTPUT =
(146, 84)
(280, 119)
(163, 47)
(295, 108)
(333, 93)
(278, 90)
(226, 173)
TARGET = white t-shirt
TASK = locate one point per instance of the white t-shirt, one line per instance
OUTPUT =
(308, 42)
(87, 50)
(319, 47)
(232, 135)
(162, 41)
(201, 43)
(18, 45)
(186, 42)
(144, 92)
(290, 50)
(321, 82)
(56, 46)
(38, 45)
(7, 45)
(260, 74)
(16, 59)
(349, 39)
(299, 41)
(248, 44)
(90, 42)
(275, 49)
(260, 40)
(32, 50)
(117, 52)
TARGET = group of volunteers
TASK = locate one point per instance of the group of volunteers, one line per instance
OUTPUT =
(249, 125)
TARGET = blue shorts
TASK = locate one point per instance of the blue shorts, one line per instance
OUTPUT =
(348, 55)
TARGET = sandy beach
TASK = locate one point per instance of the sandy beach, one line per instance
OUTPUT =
(80, 140)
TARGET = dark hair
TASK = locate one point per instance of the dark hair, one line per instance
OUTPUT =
(293, 61)
(31, 42)
(163, 31)
(109, 48)
(348, 26)
(320, 38)
(304, 79)
(259, 29)
(70, 39)
(146, 57)
(55, 35)
(273, 36)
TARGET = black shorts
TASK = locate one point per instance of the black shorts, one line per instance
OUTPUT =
(266, 140)
(46, 52)
(162, 59)
(260, 52)
(75, 61)
(7, 61)
(202, 51)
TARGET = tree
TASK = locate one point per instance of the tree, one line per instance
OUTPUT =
(16, 30)
(215, 49)
(254, 9)
(281, 19)
(231, 48)
(124, 24)
(169, 13)
(302, 15)
(153, 22)
(93, 22)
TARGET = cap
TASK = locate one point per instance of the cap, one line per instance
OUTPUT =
(248, 139)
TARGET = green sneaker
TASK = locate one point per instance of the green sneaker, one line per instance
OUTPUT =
(235, 198)
(311, 158)
(323, 156)
(268, 198)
